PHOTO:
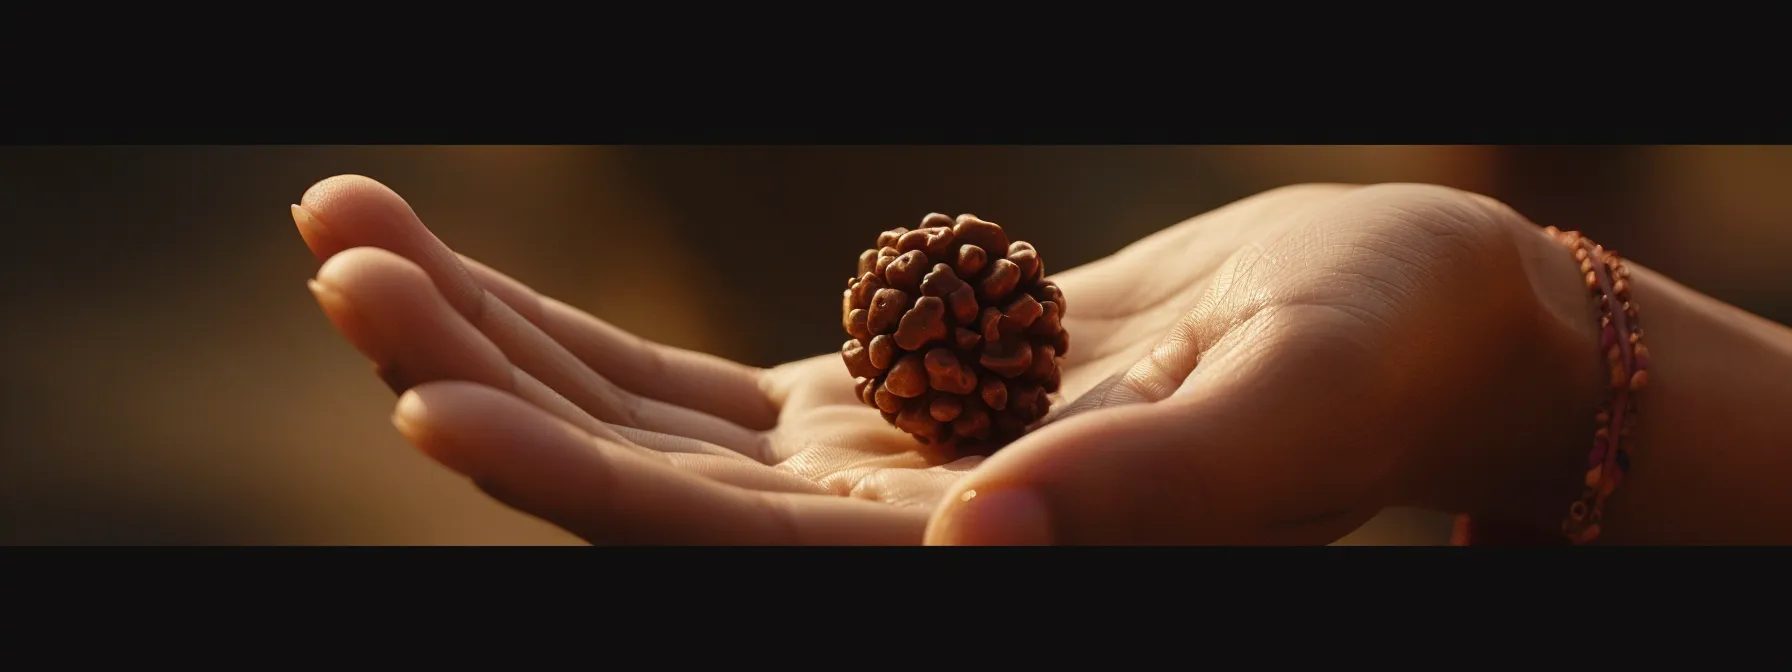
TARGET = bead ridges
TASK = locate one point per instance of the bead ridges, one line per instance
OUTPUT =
(957, 335)
(1627, 361)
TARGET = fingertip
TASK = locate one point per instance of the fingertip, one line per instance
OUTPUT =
(474, 413)
(1005, 516)
(343, 200)
(348, 210)
(340, 310)
(435, 416)
(359, 211)
(414, 404)
(409, 414)
(364, 266)
(411, 417)
(317, 238)
(335, 305)
(447, 402)
(338, 191)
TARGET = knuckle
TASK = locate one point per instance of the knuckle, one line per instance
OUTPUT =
(631, 408)
(1441, 219)
(1424, 202)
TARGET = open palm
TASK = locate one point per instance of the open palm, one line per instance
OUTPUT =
(619, 440)
(569, 401)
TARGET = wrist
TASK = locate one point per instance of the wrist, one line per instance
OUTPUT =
(1518, 451)
(1712, 449)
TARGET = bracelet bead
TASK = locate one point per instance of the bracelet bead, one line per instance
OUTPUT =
(1627, 362)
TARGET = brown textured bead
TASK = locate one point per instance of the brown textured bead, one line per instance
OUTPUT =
(1026, 258)
(973, 423)
(908, 378)
(989, 324)
(941, 281)
(923, 324)
(965, 338)
(1007, 362)
(886, 400)
(856, 324)
(905, 272)
(858, 361)
(970, 262)
(1048, 291)
(1049, 319)
(960, 298)
(1020, 313)
(947, 374)
(914, 419)
(946, 409)
(1002, 278)
(889, 238)
(1044, 362)
(1024, 400)
(869, 285)
(886, 308)
(934, 243)
(987, 235)
(994, 392)
(883, 350)
(957, 334)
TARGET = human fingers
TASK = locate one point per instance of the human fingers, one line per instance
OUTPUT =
(388, 307)
(699, 381)
(535, 462)
(1260, 459)
(357, 211)
(1290, 402)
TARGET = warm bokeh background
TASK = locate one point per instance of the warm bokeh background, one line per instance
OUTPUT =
(168, 380)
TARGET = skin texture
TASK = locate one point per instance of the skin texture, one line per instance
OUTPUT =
(1273, 372)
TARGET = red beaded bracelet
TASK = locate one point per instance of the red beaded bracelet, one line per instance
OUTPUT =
(1621, 337)
(1627, 360)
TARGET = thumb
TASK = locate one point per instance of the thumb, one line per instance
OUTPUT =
(1255, 447)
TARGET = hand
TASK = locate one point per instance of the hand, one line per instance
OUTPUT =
(1270, 371)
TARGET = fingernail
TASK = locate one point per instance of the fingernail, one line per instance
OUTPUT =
(328, 299)
(411, 417)
(404, 426)
(341, 312)
(1004, 517)
(316, 236)
(407, 414)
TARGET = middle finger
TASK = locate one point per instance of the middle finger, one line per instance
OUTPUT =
(393, 312)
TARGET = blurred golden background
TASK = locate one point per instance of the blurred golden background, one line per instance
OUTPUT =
(168, 380)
